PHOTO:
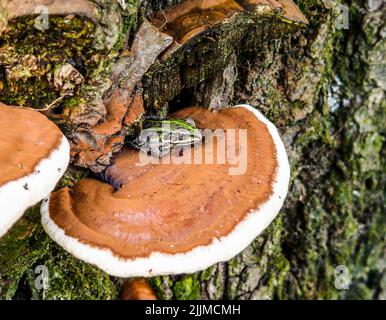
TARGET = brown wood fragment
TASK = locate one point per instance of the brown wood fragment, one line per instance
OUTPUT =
(292, 12)
(116, 109)
(136, 110)
(94, 146)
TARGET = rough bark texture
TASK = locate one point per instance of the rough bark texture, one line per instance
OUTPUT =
(325, 89)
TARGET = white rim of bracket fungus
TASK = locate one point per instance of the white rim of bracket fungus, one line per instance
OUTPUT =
(17, 196)
(199, 258)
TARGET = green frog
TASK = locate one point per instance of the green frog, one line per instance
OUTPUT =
(164, 136)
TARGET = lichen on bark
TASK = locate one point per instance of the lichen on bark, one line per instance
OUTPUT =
(325, 89)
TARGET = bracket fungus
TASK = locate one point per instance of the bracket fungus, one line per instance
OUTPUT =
(192, 17)
(34, 155)
(178, 216)
(137, 289)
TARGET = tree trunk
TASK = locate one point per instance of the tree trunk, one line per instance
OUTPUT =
(323, 86)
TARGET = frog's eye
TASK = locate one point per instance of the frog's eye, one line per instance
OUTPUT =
(191, 121)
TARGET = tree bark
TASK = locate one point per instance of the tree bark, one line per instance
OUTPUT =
(324, 87)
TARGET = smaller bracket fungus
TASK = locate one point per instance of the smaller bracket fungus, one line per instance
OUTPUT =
(34, 155)
(137, 289)
(192, 17)
(177, 215)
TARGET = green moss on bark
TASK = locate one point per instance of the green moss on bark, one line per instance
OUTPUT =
(26, 247)
(29, 56)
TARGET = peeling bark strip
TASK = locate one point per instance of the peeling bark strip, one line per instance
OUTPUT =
(94, 146)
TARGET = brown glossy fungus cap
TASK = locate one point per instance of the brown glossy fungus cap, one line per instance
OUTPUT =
(192, 17)
(178, 217)
(33, 156)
